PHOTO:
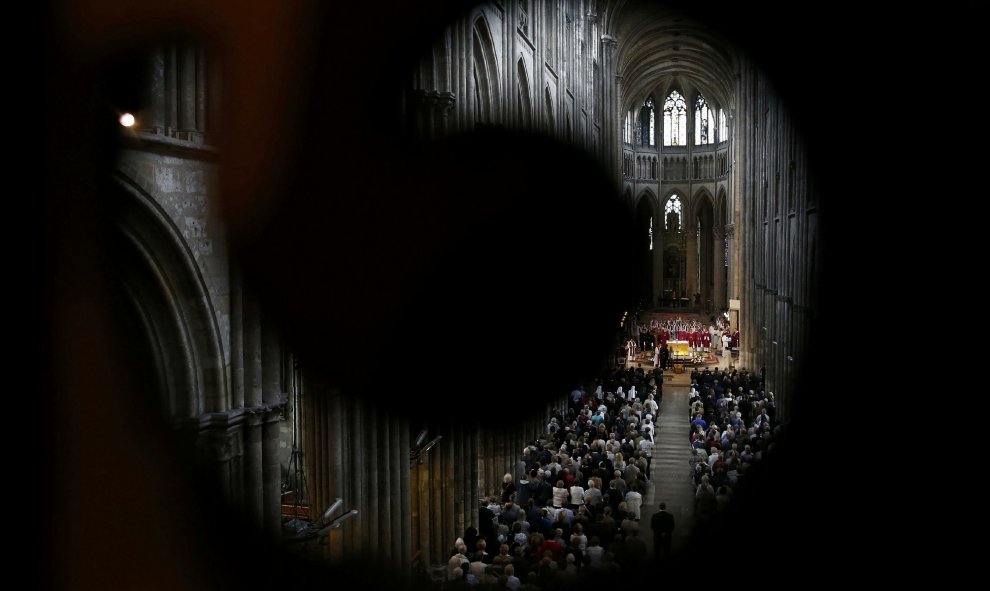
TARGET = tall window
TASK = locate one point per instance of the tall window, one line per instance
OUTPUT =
(627, 131)
(723, 126)
(672, 213)
(647, 122)
(704, 123)
(674, 120)
(651, 232)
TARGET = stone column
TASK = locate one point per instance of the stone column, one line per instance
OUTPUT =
(272, 398)
(187, 87)
(611, 135)
(718, 271)
(236, 339)
(253, 487)
(404, 519)
(170, 117)
(691, 254)
(201, 86)
(370, 521)
(154, 116)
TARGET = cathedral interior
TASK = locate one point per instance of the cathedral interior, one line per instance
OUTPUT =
(337, 264)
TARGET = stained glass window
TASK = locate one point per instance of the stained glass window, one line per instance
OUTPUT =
(704, 123)
(647, 123)
(673, 207)
(674, 120)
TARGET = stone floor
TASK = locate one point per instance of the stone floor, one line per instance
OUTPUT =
(670, 473)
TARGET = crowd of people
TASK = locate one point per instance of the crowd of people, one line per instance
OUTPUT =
(573, 507)
(733, 423)
(571, 511)
(701, 338)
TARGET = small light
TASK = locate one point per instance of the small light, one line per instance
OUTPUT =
(127, 120)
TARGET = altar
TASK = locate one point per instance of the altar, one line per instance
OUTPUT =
(679, 349)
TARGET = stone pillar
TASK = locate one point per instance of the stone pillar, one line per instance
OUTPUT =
(370, 521)
(170, 117)
(461, 51)
(253, 470)
(187, 87)
(611, 133)
(445, 104)
(236, 339)
(154, 116)
(718, 268)
(358, 494)
(336, 459)
(272, 399)
(658, 246)
(402, 510)
(458, 455)
(386, 487)
(201, 86)
(691, 254)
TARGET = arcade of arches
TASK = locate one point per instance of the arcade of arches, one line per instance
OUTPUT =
(700, 152)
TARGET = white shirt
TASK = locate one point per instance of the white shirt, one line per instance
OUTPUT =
(634, 501)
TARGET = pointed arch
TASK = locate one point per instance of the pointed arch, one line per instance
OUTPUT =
(704, 122)
(162, 286)
(647, 122)
(647, 245)
(721, 215)
(701, 196)
(648, 194)
(674, 119)
(703, 226)
(673, 204)
(486, 77)
(524, 115)
(551, 123)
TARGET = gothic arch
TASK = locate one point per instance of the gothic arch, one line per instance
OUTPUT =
(648, 194)
(671, 193)
(703, 224)
(486, 76)
(720, 213)
(525, 118)
(700, 196)
(161, 285)
(551, 123)
(647, 245)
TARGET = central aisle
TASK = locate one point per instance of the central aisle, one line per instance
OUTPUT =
(670, 472)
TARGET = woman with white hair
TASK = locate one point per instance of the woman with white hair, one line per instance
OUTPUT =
(508, 488)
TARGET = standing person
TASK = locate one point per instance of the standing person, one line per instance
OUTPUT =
(508, 488)
(662, 524)
(725, 343)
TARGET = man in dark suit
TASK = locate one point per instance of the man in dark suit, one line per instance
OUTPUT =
(662, 524)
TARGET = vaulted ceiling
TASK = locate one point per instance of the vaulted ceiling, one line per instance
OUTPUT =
(660, 49)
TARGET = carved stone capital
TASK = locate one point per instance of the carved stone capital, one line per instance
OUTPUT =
(221, 445)
(445, 102)
(730, 230)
